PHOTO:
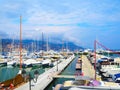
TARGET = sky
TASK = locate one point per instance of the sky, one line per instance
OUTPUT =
(77, 21)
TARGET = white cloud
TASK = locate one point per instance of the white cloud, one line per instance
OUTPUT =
(67, 19)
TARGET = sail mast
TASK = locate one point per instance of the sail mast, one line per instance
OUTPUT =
(95, 58)
(0, 49)
(20, 42)
(47, 47)
(42, 43)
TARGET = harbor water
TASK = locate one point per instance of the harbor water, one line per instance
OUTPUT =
(9, 72)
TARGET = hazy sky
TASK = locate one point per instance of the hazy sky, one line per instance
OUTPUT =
(79, 21)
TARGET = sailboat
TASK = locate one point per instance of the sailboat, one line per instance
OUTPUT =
(18, 79)
(12, 56)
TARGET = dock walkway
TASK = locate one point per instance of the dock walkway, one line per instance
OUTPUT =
(87, 68)
(47, 77)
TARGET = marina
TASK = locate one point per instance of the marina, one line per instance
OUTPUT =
(66, 67)
(60, 45)
(84, 71)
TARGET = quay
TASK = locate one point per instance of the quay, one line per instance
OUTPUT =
(47, 77)
(87, 68)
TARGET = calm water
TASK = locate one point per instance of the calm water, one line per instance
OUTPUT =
(9, 72)
(70, 70)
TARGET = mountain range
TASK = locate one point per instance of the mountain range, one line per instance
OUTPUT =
(34, 45)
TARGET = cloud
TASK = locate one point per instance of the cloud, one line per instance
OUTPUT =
(78, 21)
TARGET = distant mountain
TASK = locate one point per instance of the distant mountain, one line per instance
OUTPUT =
(33, 45)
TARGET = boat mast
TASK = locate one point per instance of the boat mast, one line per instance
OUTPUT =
(42, 43)
(62, 46)
(0, 49)
(95, 58)
(20, 42)
(47, 47)
(66, 46)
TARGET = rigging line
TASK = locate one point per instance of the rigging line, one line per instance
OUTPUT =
(106, 47)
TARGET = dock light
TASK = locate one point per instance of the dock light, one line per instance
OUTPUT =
(24, 75)
(36, 74)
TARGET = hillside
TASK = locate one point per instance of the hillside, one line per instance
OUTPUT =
(33, 45)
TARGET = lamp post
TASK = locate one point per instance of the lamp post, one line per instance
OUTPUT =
(36, 74)
(57, 64)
